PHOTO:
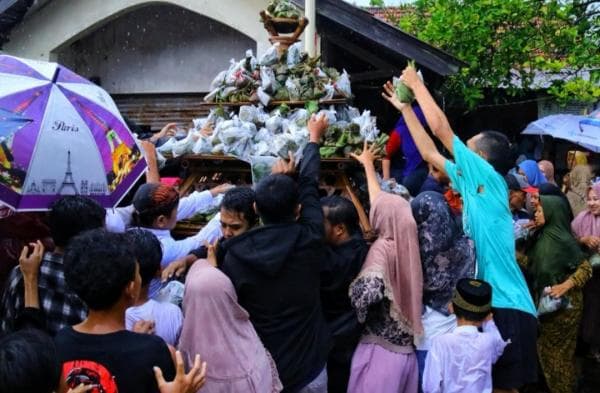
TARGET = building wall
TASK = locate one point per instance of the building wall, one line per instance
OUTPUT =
(158, 48)
(66, 29)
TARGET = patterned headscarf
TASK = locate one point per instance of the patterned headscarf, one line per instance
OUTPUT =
(447, 255)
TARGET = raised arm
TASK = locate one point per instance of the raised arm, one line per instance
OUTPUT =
(367, 159)
(422, 140)
(436, 119)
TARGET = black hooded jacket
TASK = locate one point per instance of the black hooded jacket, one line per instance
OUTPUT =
(275, 271)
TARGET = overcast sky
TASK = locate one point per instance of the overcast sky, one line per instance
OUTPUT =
(387, 2)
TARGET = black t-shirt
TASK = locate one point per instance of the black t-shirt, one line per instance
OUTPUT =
(120, 362)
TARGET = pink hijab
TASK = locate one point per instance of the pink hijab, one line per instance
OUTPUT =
(587, 224)
(395, 257)
(219, 329)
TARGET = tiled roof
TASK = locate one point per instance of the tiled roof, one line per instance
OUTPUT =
(388, 14)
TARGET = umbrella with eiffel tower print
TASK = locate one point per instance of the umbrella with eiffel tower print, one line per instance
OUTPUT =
(60, 135)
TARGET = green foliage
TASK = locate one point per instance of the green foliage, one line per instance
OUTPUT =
(376, 3)
(504, 43)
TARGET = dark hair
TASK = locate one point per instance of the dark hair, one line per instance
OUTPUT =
(341, 211)
(276, 199)
(28, 363)
(241, 200)
(496, 147)
(552, 189)
(98, 266)
(152, 201)
(469, 315)
(71, 215)
(147, 251)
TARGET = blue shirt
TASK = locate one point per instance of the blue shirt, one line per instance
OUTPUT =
(488, 221)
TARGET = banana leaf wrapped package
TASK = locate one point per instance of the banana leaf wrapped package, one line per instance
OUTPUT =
(404, 93)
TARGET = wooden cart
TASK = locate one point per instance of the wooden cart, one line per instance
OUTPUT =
(205, 171)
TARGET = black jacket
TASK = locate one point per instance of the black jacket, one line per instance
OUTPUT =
(275, 271)
(342, 265)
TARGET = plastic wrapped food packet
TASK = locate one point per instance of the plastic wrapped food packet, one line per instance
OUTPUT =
(263, 135)
(342, 85)
(251, 62)
(368, 126)
(294, 54)
(273, 124)
(261, 167)
(241, 148)
(260, 149)
(549, 304)
(270, 57)
(202, 146)
(282, 145)
(167, 147)
(248, 113)
(299, 116)
(294, 88)
(210, 97)
(267, 78)
(183, 146)
(329, 113)
(263, 97)
(329, 92)
(219, 80)
(171, 292)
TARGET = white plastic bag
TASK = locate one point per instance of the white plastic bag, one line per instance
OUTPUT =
(248, 113)
(267, 78)
(270, 57)
(219, 80)
(294, 54)
(261, 167)
(368, 126)
(342, 85)
(293, 87)
(549, 304)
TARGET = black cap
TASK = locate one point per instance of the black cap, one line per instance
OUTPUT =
(473, 295)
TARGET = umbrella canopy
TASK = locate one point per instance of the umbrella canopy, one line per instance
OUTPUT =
(61, 135)
(582, 130)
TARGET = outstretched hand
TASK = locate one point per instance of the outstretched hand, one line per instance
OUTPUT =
(221, 189)
(389, 94)
(285, 167)
(410, 77)
(368, 154)
(183, 383)
(81, 388)
(30, 264)
(211, 252)
(317, 126)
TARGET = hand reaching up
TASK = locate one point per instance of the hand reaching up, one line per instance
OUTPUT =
(30, 264)
(285, 167)
(367, 156)
(410, 77)
(183, 383)
(211, 252)
(317, 126)
(221, 189)
(389, 93)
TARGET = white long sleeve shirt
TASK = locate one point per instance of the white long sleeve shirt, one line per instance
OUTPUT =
(172, 249)
(461, 361)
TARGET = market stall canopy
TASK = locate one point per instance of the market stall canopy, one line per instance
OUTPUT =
(60, 135)
(385, 47)
(581, 130)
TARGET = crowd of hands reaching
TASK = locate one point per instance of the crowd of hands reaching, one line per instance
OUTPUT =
(192, 381)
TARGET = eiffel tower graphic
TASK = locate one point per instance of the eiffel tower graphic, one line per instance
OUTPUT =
(68, 185)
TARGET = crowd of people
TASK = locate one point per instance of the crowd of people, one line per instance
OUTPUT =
(469, 286)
